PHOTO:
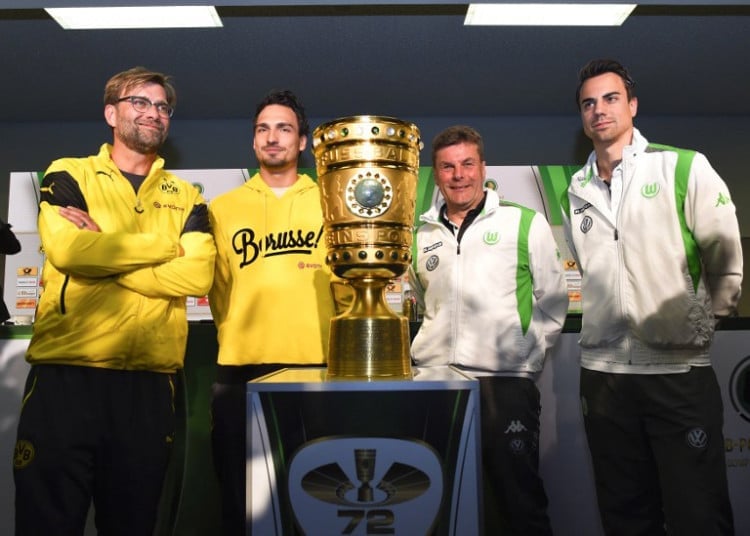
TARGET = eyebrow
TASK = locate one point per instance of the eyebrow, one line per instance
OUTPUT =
(606, 95)
(278, 125)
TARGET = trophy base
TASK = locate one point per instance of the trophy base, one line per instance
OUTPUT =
(366, 348)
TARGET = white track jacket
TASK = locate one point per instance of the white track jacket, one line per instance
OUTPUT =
(656, 272)
(495, 302)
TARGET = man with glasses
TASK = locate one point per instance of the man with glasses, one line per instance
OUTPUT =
(125, 243)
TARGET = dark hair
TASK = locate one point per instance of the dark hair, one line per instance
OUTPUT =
(286, 98)
(137, 76)
(602, 66)
(455, 135)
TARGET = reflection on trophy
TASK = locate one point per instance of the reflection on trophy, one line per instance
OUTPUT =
(367, 171)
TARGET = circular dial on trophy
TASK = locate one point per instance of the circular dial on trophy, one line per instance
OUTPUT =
(369, 194)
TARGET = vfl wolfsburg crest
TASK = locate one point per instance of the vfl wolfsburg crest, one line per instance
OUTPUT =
(491, 238)
(650, 190)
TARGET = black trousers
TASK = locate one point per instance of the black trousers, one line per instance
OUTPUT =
(514, 499)
(228, 442)
(89, 433)
(657, 449)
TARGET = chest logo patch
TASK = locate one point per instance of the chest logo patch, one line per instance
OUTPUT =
(432, 263)
(169, 187)
(586, 224)
(491, 238)
(650, 190)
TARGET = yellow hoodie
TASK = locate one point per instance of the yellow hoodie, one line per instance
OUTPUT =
(271, 299)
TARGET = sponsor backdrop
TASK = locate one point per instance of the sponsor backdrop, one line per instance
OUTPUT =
(530, 186)
(564, 456)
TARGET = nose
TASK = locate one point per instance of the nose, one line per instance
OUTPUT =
(273, 135)
(152, 113)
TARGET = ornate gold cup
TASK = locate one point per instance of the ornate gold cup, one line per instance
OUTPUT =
(368, 169)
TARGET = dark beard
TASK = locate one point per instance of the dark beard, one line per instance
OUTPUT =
(140, 142)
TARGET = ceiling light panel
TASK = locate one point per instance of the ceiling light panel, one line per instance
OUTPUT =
(547, 14)
(99, 18)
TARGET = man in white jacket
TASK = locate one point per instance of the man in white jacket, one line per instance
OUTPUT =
(655, 235)
(487, 274)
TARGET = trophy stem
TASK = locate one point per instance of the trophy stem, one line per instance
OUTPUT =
(369, 341)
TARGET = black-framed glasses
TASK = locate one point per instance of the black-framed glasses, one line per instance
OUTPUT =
(142, 105)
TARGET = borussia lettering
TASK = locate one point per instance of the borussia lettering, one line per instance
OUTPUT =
(294, 241)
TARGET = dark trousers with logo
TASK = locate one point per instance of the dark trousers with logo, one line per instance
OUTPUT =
(514, 499)
(90, 433)
(657, 449)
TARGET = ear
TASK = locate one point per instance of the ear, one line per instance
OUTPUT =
(110, 114)
(302, 143)
(633, 106)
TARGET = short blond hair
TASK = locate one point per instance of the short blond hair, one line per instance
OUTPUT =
(134, 77)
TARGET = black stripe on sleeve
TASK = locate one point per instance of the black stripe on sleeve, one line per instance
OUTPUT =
(60, 189)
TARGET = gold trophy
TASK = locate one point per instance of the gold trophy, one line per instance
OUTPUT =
(368, 169)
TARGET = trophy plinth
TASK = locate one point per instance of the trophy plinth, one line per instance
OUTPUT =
(367, 171)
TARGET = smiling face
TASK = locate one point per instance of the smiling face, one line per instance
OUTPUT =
(277, 142)
(606, 113)
(142, 132)
(459, 175)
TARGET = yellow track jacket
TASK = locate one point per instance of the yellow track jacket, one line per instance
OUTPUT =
(271, 299)
(116, 299)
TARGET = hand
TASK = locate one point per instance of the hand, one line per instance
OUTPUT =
(79, 218)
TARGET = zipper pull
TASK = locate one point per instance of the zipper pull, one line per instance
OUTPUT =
(616, 235)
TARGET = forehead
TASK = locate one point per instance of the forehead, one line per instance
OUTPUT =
(274, 114)
(147, 89)
(457, 152)
(601, 85)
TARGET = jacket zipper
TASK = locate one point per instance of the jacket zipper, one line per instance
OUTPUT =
(62, 294)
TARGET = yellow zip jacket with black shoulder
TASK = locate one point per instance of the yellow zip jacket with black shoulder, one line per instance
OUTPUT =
(116, 298)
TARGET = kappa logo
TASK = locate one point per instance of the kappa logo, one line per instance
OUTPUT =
(650, 190)
(697, 438)
(586, 224)
(23, 454)
(723, 199)
(491, 238)
(515, 427)
(432, 263)
(365, 485)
